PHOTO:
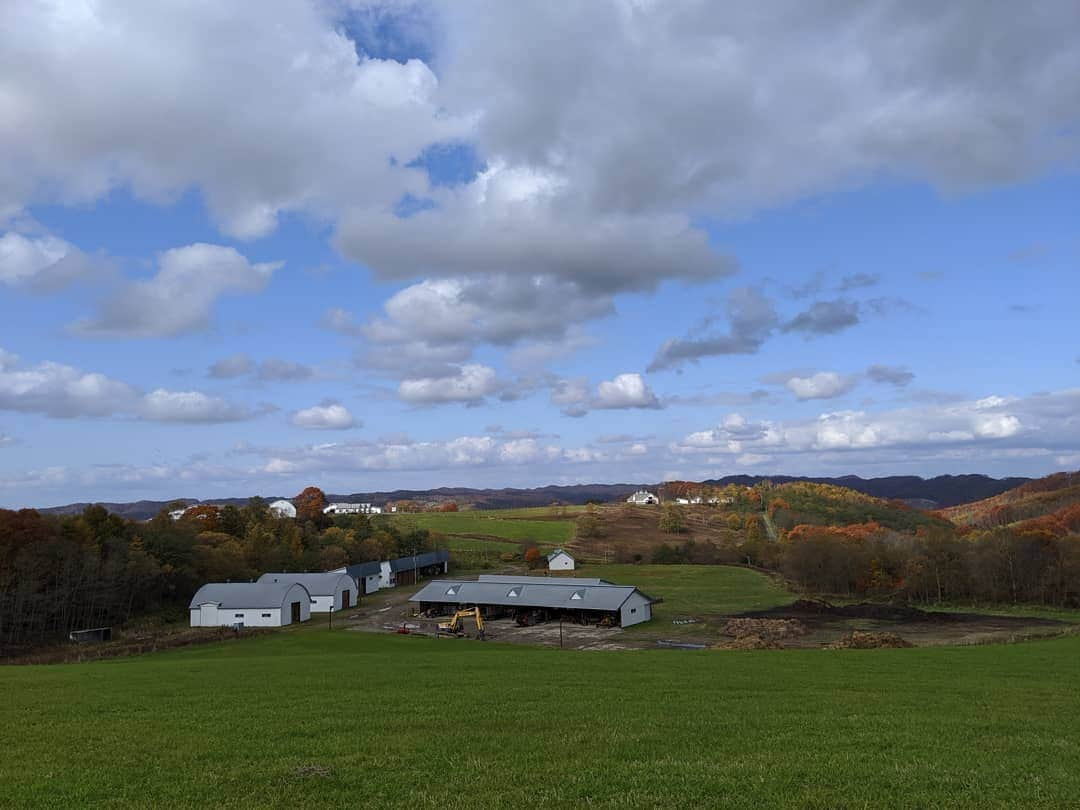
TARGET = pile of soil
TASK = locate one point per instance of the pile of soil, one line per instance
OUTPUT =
(860, 640)
(749, 643)
(770, 629)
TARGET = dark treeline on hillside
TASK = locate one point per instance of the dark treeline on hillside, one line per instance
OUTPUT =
(62, 573)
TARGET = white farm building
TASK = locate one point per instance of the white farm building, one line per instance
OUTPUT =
(559, 560)
(643, 498)
(283, 509)
(351, 509)
(330, 592)
(250, 604)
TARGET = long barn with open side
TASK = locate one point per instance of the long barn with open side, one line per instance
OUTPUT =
(587, 601)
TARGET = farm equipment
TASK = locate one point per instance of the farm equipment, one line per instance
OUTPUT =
(455, 627)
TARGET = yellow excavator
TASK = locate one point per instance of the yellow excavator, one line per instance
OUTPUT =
(454, 626)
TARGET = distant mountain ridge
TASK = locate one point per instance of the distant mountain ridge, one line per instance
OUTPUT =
(923, 493)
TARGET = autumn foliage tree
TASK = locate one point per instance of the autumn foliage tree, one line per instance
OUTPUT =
(310, 504)
(532, 557)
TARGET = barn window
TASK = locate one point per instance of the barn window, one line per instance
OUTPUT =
(238, 615)
(633, 610)
(266, 615)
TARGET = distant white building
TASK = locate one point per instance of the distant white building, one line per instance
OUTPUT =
(559, 560)
(330, 592)
(352, 509)
(643, 497)
(250, 604)
(283, 509)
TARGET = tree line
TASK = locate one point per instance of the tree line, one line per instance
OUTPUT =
(66, 572)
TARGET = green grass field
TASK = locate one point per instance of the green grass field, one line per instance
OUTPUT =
(693, 590)
(542, 532)
(313, 717)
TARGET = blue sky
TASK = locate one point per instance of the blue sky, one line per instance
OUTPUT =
(370, 247)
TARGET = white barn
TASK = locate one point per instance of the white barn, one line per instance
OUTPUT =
(559, 560)
(330, 592)
(351, 509)
(283, 509)
(642, 498)
(250, 604)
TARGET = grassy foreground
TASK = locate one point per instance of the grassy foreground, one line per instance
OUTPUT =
(311, 716)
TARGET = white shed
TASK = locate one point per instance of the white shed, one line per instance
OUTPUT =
(330, 592)
(636, 609)
(559, 560)
(250, 604)
(283, 509)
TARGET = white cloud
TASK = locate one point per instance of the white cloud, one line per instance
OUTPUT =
(822, 385)
(327, 416)
(181, 296)
(161, 405)
(469, 383)
(42, 262)
(61, 391)
(285, 117)
(625, 391)
(1039, 424)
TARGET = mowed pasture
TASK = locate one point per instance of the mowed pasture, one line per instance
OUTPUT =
(313, 717)
(493, 527)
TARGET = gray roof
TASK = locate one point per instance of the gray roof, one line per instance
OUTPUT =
(239, 595)
(561, 580)
(420, 560)
(317, 584)
(557, 552)
(544, 592)
(368, 569)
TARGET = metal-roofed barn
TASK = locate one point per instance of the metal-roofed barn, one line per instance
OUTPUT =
(366, 575)
(250, 604)
(587, 601)
(330, 592)
(410, 570)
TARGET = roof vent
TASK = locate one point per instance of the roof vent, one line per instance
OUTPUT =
(514, 592)
(578, 595)
(452, 590)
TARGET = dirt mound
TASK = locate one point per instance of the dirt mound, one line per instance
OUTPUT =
(815, 608)
(768, 629)
(749, 643)
(860, 640)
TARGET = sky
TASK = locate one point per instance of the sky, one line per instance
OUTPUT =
(250, 247)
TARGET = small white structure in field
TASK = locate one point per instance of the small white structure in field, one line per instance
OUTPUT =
(352, 509)
(559, 560)
(250, 604)
(283, 509)
(642, 498)
(330, 592)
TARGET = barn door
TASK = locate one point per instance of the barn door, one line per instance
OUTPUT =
(345, 603)
(296, 611)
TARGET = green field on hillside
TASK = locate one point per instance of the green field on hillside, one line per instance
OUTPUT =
(313, 717)
(541, 532)
(693, 590)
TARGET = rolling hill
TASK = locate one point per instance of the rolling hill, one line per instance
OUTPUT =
(1034, 499)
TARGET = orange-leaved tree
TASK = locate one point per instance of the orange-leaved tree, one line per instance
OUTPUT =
(310, 504)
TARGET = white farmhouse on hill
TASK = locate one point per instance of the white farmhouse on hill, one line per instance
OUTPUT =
(643, 497)
(559, 560)
(250, 604)
(283, 509)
